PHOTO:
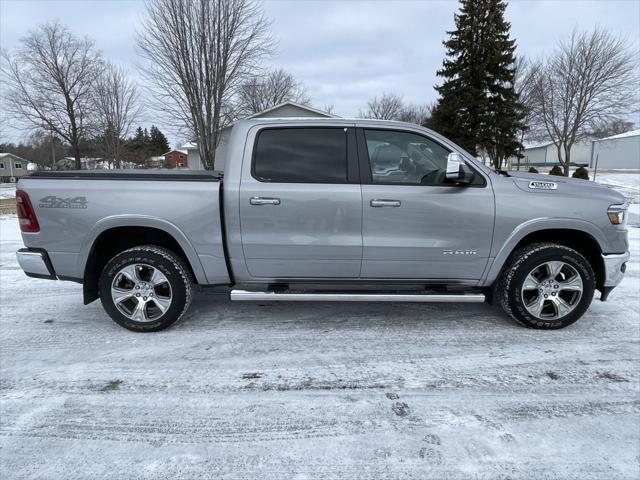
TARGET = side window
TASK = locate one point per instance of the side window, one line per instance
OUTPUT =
(403, 157)
(301, 155)
(19, 166)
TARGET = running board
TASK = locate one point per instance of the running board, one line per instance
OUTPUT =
(247, 296)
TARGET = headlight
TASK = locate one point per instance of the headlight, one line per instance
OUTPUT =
(617, 214)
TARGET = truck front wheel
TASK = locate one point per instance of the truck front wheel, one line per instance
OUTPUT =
(146, 288)
(546, 286)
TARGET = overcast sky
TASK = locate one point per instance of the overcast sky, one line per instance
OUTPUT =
(345, 52)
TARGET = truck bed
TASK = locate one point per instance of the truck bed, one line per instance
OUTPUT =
(75, 208)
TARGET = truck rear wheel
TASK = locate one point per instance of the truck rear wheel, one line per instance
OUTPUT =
(546, 286)
(146, 288)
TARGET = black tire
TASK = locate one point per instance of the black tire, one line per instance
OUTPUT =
(168, 263)
(508, 287)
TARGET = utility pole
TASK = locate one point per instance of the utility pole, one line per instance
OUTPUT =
(53, 150)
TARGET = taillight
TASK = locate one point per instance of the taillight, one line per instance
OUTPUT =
(26, 215)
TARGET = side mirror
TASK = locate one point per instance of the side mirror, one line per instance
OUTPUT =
(454, 161)
(457, 169)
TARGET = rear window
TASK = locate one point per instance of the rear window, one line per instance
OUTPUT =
(301, 155)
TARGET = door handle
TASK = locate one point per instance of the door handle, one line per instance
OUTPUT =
(385, 203)
(264, 201)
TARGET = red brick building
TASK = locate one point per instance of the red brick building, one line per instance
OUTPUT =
(176, 159)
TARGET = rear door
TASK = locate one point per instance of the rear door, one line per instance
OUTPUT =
(415, 224)
(301, 204)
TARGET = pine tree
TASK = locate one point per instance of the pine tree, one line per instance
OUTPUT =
(158, 142)
(137, 148)
(139, 135)
(478, 107)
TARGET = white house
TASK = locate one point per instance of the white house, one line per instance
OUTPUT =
(12, 167)
(617, 152)
(282, 110)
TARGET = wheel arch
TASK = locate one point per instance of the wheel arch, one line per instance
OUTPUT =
(112, 236)
(585, 241)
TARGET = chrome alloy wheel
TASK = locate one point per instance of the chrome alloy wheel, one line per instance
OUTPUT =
(141, 292)
(552, 290)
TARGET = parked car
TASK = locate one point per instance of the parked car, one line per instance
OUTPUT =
(329, 210)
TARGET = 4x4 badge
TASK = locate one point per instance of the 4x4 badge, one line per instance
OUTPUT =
(56, 202)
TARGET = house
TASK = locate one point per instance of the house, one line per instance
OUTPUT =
(12, 167)
(617, 152)
(176, 159)
(545, 154)
(282, 110)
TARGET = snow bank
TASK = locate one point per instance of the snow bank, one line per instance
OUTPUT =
(7, 190)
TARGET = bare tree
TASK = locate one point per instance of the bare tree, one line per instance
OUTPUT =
(44, 148)
(418, 114)
(328, 108)
(524, 77)
(199, 53)
(611, 127)
(262, 92)
(388, 107)
(117, 107)
(591, 78)
(49, 83)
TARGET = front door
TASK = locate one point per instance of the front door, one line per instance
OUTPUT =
(301, 206)
(416, 225)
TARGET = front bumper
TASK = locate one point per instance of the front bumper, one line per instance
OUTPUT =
(35, 263)
(614, 268)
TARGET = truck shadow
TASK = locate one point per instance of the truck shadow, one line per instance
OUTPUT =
(216, 306)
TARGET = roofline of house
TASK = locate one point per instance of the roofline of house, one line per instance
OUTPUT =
(589, 138)
(299, 105)
(629, 134)
(14, 156)
(194, 145)
(174, 150)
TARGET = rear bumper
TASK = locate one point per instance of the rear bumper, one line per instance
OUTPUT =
(35, 263)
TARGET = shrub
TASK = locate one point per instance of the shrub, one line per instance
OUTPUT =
(556, 170)
(581, 172)
(533, 170)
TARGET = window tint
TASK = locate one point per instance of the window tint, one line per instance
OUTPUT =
(301, 155)
(402, 157)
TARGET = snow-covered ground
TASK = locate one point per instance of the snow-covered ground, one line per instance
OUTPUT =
(308, 390)
(626, 183)
(7, 190)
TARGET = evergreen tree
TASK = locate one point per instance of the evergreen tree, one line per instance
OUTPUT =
(158, 142)
(137, 148)
(144, 144)
(478, 107)
(139, 136)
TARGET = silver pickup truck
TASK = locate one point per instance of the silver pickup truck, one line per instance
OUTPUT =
(329, 210)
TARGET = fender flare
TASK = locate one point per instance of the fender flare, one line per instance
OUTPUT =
(533, 226)
(128, 220)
